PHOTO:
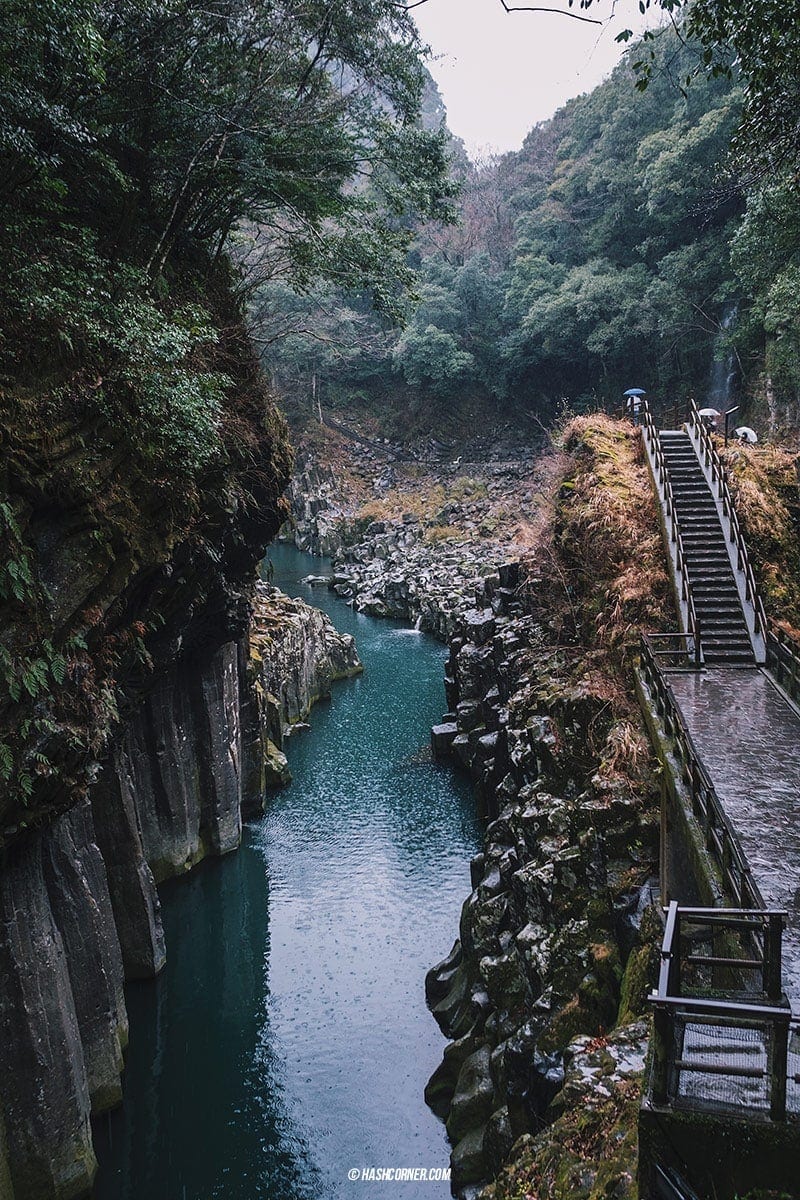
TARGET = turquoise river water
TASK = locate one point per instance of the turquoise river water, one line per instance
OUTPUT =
(287, 1041)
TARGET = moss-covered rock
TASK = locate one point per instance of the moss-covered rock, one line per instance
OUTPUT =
(549, 728)
(588, 1152)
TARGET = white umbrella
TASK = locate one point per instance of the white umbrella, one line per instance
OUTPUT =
(745, 434)
(708, 412)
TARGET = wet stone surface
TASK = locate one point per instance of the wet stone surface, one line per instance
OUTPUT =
(748, 736)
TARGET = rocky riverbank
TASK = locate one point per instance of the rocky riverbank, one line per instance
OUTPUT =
(296, 654)
(394, 572)
(556, 940)
(415, 535)
(558, 892)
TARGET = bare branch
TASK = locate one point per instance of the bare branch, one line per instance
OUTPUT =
(562, 12)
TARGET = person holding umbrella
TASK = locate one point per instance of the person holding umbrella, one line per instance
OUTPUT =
(709, 417)
(634, 403)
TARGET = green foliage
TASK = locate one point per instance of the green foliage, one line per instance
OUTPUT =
(167, 122)
(29, 669)
(766, 257)
(16, 576)
(599, 288)
(137, 137)
(430, 358)
(757, 38)
(598, 252)
(762, 34)
(146, 357)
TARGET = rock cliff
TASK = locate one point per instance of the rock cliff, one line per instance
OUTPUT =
(126, 739)
(295, 656)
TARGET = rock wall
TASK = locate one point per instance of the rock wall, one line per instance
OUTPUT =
(124, 682)
(553, 920)
(296, 654)
(79, 908)
(79, 913)
(316, 509)
(395, 572)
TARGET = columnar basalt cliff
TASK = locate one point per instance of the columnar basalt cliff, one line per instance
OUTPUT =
(295, 656)
(79, 898)
(126, 731)
(556, 938)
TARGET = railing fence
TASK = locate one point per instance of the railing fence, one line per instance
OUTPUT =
(721, 1023)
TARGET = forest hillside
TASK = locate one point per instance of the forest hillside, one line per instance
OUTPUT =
(624, 244)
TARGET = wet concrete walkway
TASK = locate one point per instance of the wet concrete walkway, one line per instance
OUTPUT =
(748, 736)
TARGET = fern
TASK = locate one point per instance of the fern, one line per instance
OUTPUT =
(6, 761)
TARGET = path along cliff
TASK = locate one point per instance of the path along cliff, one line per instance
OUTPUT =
(543, 993)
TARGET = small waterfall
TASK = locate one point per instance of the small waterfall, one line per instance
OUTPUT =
(418, 623)
(723, 374)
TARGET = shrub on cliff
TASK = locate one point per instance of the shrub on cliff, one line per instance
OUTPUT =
(598, 577)
(765, 482)
(143, 459)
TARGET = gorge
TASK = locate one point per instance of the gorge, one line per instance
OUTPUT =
(292, 989)
(267, 819)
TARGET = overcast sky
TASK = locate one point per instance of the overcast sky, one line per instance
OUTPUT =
(499, 73)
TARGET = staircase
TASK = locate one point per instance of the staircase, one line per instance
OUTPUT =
(724, 635)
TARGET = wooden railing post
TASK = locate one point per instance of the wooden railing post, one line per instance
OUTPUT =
(674, 969)
(662, 1040)
(772, 957)
(709, 830)
(780, 1048)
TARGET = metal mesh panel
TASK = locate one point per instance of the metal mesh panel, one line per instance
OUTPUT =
(793, 1074)
(742, 1051)
(742, 980)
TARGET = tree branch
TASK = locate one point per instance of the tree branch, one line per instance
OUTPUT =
(509, 8)
(562, 12)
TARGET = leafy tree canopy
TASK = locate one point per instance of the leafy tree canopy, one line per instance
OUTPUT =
(140, 138)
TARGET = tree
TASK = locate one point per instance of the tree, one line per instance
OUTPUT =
(431, 359)
(162, 124)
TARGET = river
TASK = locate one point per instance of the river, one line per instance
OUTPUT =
(287, 1040)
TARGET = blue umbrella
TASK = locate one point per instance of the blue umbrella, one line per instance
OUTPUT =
(635, 392)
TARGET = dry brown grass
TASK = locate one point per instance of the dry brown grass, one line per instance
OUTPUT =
(766, 490)
(603, 557)
(596, 579)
